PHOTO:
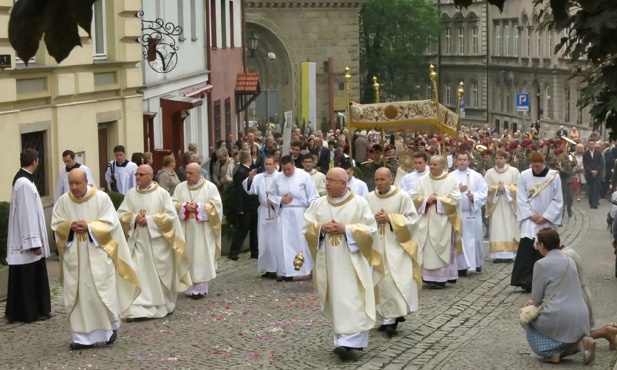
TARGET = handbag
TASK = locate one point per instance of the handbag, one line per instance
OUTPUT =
(528, 314)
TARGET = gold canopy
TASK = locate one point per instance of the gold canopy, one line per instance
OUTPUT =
(417, 115)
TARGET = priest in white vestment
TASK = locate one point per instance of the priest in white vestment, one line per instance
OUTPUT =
(97, 272)
(68, 157)
(410, 181)
(200, 210)
(504, 231)
(120, 173)
(356, 185)
(267, 223)
(397, 285)
(438, 235)
(539, 204)
(28, 297)
(473, 197)
(292, 192)
(157, 246)
(339, 229)
(308, 163)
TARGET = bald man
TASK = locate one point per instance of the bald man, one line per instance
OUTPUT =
(156, 241)
(98, 276)
(397, 284)
(200, 210)
(339, 229)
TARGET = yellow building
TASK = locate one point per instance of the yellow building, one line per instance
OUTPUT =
(88, 103)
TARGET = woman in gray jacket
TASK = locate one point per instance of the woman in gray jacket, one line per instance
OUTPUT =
(563, 327)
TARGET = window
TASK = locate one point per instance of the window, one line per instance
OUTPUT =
(579, 113)
(224, 23)
(448, 41)
(461, 40)
(499, 99)
(539, 43)
(227, 115)
(36, 140)
(508, 101)
(217, 119)
(549, 105)
(549, 36)
(506, 40)
(99, 39)
(517, 31)
(193, 21)
(448, 98)
(231, 24)
(566, 116)
(474, 40)
(475, 94)
(213, 25)
(497, 39)
(429, 90)
(417, 92)
(181, 24)
(528, 42)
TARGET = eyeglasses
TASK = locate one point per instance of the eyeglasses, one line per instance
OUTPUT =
(332, 180)
(142, 174)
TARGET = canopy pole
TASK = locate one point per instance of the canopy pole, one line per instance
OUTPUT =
(381, 138)
(433, 76)
(347, 82)
(459, 93)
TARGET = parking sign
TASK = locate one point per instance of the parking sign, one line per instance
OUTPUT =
(522, 102)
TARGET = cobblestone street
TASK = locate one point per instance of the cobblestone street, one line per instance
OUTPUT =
(247, 322)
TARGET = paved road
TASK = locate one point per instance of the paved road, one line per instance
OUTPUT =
(247, 322)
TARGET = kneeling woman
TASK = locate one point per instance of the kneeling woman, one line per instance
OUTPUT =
(563, 327)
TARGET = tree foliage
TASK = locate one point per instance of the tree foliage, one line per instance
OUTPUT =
(591, 44)
(394, 35)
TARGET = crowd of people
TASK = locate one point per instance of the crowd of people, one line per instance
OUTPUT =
(369, 219)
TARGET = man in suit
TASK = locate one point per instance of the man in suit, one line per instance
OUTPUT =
(561, 132)
(246, 210)
(494, 129)
(609, 160)
(361, 148)
(594, 167)
(323, 156)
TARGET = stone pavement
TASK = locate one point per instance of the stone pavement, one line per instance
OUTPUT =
(247, 322)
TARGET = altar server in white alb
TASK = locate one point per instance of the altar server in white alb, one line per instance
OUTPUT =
(339, 229)
(200, 211)
(473, 196)
(308, 163)
(97, 276)
(28, 296)
(397, 284)
(437, 199)
(410, 181)
(156, 242)
(267, 225)
(539, 204)
(120, 173)
(68, 157)
(358, 186)
(292, 192)
(504, 231)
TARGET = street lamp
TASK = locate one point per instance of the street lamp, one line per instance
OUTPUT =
(253, 42)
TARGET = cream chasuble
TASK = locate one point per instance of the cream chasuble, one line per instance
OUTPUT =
(97, 272)
(439, 225)
(158, 250)
(201, 229)
(342, 274)
(396, 287)
(504, 231)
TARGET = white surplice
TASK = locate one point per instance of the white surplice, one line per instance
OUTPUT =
(202, 235)
(548, 203)
(358, 187)
(504, 231)
(267, 223)
(342, 275)
(27, 228)
(410, 181)
(63, 180)
(291, 241)
(473, 253)
(124, 175)
(98, 275)
(396, 289)
(320, 182)
(158, 250)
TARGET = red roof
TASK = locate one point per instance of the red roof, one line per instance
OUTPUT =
(247, 83)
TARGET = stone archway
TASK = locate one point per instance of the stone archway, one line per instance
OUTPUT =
(276, 77)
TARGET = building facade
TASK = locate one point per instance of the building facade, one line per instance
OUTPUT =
(498, 55)
(88, 103)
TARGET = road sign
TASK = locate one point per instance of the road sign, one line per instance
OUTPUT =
(522, 102)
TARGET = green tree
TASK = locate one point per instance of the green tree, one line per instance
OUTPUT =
(394, 35)
(591, 45)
